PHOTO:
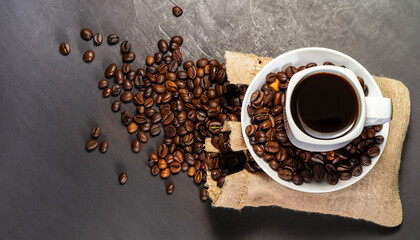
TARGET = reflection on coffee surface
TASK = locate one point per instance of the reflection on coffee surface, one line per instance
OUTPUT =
(324, 105)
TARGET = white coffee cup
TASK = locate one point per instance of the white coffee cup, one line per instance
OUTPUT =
(372, 111)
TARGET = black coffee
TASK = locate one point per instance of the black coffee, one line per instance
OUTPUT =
(324, 105)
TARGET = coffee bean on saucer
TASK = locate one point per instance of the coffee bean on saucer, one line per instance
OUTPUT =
(170, 188)
(86, 34)
(123, 178)
(113, 39)
(177, 11)
(96, 132)
(91, 144)
(88, 56)
(65, 48)
(97, 39)
(103, 147)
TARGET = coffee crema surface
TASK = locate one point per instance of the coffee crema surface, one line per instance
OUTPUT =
(324, 105)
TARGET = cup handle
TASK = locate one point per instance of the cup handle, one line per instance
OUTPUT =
(378, 110)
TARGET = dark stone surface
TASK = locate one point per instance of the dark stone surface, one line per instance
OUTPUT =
(52, 188)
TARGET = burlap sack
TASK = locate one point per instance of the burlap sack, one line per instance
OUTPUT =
(375, 198)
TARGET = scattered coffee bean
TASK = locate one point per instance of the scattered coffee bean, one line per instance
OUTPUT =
(103, 84)
(91, 144)
(170, 188)
(97, 39)
(203, 194)
(177, 11)
(132, 127)
(129, 57)
(123, 178)
(88, 56)
(106, 93)
(103, 147)
(113, 39)
(65, 48)
(96, 132)
(86, 34)
(110, 70)
(125, 47)
(136, 145)
(116, 106)
(126, 97)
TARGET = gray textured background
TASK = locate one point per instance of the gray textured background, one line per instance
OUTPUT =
(51, 188)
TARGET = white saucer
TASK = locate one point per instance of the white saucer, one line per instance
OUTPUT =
(298, 58)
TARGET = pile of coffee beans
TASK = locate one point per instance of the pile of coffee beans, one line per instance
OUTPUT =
(93, 143)
(270, 142)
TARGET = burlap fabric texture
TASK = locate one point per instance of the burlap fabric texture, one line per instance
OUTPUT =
(375, 198)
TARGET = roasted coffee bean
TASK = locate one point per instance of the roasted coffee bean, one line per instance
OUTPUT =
(163, 46)
(65, 48)
(329, 63)
(258, 149)
(373, 151)
(216, 174)
(142, 137)
(167, 117)
(127, 85)
(113, 39)
(370, 133)
(202, 62)
(125, 47)
(103, 147)
(357, 171)
(191, 171)
(273, 164)
(106, 93)
(203, 194)
(297, 180)
(158, 57)
(165, 173)
(91, 144)
(110, 70)
(103, 84)
(146, 126)
(115, 90)
(260, 137)
(150, 60)
(272, 147)
(148, 103)
(306, 176)
(123, 178)
(221, 182)
(125, 118)
(170, 189)
(88, 56)
(154, 170)
(290, 71)
(332, 178)
(129, 57)
(176, 39)
(86, 34)
(177, 11)
(175, 167)
(132, 127)
(162, 151)
(318, 172)
(344, 175)
(126, 97)
(136, 146)
(198, 177)
(155, 129)
(270, 78)
(284, 174)
(159, 89)
(96, 132)
(140, 119)
(119, 77)
(379, 139)
(162, 164)
(177, 55)
(116, 106)
(97, 39)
